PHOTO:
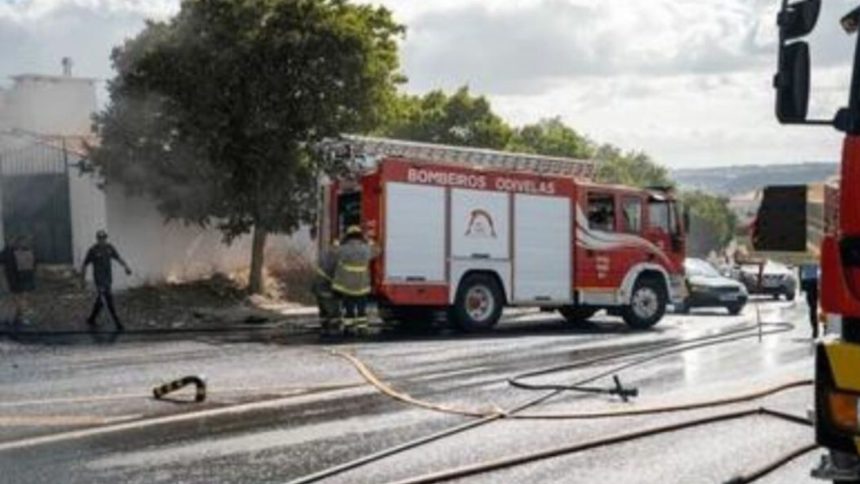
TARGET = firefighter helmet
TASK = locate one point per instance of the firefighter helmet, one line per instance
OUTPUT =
(354, 230)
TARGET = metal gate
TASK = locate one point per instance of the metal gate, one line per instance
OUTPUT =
(34, 184)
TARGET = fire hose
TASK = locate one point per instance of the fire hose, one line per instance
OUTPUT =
(486, 416)
(526, 458)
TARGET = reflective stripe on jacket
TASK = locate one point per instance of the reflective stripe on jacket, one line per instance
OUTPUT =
(352, 272)
(326, 263)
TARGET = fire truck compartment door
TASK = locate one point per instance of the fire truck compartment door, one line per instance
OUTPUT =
(479, 225)
(414, 233)
(542, 249)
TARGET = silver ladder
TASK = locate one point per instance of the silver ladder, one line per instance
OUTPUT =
(365, 146)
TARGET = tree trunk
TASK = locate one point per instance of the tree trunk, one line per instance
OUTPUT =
(258, 249)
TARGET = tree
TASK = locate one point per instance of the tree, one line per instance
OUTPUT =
(213, 112)
(459, 119)
(712, 222)
(550, 137)
(633, 168)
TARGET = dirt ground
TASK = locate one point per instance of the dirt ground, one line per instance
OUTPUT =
(62, 303)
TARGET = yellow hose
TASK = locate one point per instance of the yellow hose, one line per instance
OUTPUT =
(386, 389)
(389, 391)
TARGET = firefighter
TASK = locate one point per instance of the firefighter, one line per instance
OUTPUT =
(809, 275)
(327, 301)
(19, 263)
(101, 255)
(352, 278)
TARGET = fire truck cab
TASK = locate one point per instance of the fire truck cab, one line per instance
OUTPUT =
(471, 231)
(837, 356)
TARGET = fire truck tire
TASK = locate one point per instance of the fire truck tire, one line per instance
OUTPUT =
(479, 303)
(647, 303)
(577, 314)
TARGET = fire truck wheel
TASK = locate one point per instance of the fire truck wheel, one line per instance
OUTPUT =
(647, 304)
(478, 305)
(577, 314)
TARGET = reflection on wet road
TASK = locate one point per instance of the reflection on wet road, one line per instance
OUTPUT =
(281, 407)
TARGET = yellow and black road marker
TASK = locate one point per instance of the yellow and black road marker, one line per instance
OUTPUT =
(162, 390)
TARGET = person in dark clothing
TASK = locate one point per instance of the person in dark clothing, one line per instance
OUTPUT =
(809, 275)
(19, 263)
(101, 255)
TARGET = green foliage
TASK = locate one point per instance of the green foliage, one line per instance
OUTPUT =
(211, 113)
(458, 119)
(550, 137)
(712, 222)
(463, 119)
(633, 168)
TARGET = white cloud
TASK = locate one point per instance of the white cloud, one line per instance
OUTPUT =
(689, 81)
(36, 34)
(540, 44)
(25, 10)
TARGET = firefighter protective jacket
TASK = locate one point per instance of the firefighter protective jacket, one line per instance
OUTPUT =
(352, 273)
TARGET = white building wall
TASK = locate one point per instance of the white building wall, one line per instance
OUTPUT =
(157, 252)
(88, 212)
(171, 252)
(51, 105)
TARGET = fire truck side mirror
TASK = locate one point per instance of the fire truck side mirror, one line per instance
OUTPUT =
(687, 219)
(798, 19)
(795, 20)
(792, 83)
(780, 224)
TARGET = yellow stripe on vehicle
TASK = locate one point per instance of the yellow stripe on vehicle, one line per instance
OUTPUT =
(844, 361)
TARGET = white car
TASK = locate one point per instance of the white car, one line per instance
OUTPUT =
(777, 280)
(706, 287)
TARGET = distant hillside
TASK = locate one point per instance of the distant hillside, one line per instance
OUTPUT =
(733, 180)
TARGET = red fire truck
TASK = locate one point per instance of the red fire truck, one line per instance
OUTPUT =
(837, 357)
(471, 231)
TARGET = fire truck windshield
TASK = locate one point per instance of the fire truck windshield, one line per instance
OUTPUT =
(662, 215)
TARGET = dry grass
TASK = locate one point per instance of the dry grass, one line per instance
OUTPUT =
(61, 303)
(292, 272)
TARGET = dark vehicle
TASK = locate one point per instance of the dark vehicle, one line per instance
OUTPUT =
(776, 280)
(708, 288)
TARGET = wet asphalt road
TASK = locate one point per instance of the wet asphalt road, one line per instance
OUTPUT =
(282, 407)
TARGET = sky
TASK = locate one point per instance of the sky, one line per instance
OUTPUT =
(687, 81)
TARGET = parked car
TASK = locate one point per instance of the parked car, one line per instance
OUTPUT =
(777, 280)
(706, 287)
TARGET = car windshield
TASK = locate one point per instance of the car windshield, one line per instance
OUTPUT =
(697, 267)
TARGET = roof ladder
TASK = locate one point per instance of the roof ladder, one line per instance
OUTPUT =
(458, 155)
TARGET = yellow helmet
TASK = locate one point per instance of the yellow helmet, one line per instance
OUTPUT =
(353, 230)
